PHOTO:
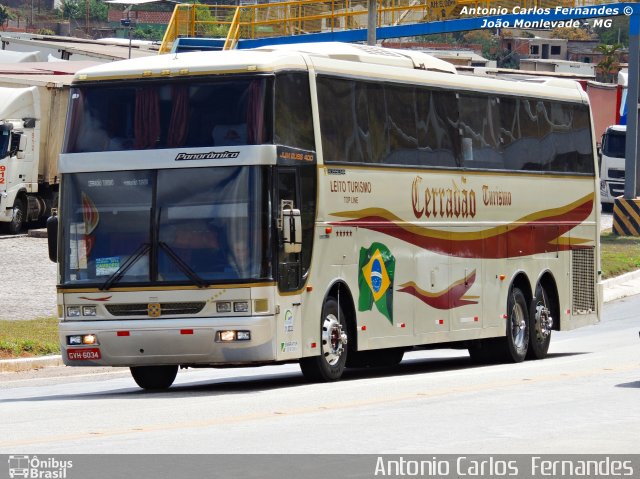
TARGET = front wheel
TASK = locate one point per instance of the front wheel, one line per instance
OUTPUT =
(330, 364)
(154, 377)
(18, 217)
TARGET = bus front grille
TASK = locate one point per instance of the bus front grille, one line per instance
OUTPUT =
(167, 309)
(583, 280)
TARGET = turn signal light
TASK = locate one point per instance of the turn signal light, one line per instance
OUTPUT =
(232, 335)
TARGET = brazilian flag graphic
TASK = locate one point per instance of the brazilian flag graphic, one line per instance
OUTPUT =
(375, 279)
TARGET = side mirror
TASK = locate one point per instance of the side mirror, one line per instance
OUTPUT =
(52, 237)
(291, 224)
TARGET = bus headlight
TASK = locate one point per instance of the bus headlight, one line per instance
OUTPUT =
(241, 306)
(223, 306)
(73, 311)
(89, 311)
(79, 339)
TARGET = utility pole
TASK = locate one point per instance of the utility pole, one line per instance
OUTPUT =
(86, 16)
(631, 172)
(372, 19)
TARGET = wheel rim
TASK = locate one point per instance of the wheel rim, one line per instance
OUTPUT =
(333, 339)
(544, 322)
(518, 326)
(17, 218)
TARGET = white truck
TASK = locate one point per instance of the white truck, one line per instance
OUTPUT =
(33, 109)
(612, 164)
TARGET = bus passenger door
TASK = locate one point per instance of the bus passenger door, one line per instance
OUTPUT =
(289, 271)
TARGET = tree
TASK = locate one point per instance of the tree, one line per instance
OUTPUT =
(570, 33)
(485, 38)
(618, 32)
(71, 9)
(5, 15)
(99, 10)
(608, 66)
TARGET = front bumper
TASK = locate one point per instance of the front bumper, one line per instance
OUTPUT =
(185, 341)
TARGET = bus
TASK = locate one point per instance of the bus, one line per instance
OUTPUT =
(328, 204)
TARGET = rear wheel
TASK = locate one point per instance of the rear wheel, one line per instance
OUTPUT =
(517, 326)
(154, 377)
(541, 324)
(330, 364)
(513, 347)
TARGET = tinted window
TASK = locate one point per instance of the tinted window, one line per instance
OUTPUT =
(293, 118)
(336, 100)
(366, 122)
(479, 127)
(402, 126)
(438, 136)
(150, 115)
(216, 230)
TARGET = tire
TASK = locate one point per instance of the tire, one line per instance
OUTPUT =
(377, 358)
(18, 218)
(513, 347)
(540, 324)
(154, 377)
(330, 364)
(517, 338)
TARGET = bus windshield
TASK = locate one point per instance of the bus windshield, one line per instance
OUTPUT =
(174, 114)
(613, 145)
(150, 227)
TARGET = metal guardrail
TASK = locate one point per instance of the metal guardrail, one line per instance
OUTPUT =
(312, 16)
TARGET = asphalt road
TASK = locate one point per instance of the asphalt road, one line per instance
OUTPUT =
(582, 399)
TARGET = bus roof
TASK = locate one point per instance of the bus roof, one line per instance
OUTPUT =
(331, 58)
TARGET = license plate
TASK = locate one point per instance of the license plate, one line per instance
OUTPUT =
(83, 354)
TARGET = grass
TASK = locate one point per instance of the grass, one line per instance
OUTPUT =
(620, 254)
(24, 338)
(39, 337)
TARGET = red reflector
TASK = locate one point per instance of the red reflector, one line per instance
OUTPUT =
(123, 333)
(441, 321)
(313, 345)
(363, 328)
(186, 331)
(328, 230)
(475, 319)
(402, 325)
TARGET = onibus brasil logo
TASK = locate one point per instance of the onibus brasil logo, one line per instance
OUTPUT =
(375, 279)
(36, 468)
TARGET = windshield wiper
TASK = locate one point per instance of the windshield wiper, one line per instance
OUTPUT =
(184, 267)
(117, 276)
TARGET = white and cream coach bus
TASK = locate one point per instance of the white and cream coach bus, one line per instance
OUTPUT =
(330, 204)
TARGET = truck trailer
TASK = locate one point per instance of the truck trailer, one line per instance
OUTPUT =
(33, 109)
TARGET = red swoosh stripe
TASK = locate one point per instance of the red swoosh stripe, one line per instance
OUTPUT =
(452, 297)
(507, 241)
